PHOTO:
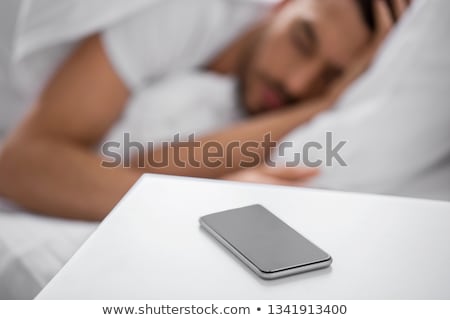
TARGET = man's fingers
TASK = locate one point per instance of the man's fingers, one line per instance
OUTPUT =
(254, 176)
(291, 174)
(276, 176)
(400, 6)
(383, 18)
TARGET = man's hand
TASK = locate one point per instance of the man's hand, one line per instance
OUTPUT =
(277, 176)
(385, 21)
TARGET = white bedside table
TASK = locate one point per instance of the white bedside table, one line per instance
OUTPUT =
(151, 246)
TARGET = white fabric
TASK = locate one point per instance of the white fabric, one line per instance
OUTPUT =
(33, 249)
(176, 35)
(187, 103)
(43, 23)
(37, 35)
(396, 118)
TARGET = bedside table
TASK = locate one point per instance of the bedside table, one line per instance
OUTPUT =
(151, 246)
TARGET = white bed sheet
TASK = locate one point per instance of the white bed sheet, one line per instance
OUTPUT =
(33, 249)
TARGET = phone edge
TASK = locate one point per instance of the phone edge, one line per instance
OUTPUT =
(266, 275)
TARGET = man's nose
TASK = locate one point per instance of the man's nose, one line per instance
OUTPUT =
(300, 79)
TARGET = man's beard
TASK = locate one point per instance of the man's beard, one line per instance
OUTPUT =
(245, 72)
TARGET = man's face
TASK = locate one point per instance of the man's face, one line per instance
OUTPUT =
(303, 47)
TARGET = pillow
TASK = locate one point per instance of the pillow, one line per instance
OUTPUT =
(204, 102)
(395, 119)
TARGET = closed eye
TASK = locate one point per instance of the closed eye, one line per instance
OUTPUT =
(304, 37)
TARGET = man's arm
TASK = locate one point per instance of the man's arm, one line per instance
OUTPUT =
(232, 140)
(49, 164)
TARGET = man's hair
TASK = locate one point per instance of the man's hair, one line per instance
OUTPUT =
(368, 13)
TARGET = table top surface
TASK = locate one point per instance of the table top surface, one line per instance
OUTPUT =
(152, 247)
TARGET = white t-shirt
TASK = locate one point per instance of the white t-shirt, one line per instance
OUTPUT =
(163, 37)
(176, 35)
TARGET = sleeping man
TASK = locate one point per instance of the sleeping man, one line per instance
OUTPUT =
(292, 59)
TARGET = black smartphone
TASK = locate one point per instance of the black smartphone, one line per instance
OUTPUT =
(264, 243)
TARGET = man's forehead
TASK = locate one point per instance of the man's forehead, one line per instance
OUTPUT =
(325, 7)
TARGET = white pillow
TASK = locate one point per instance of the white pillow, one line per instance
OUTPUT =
(396, 118)
(185, 103)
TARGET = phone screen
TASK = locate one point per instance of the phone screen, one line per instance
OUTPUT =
(265, 243)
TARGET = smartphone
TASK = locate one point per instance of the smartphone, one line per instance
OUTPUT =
(264, 243)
